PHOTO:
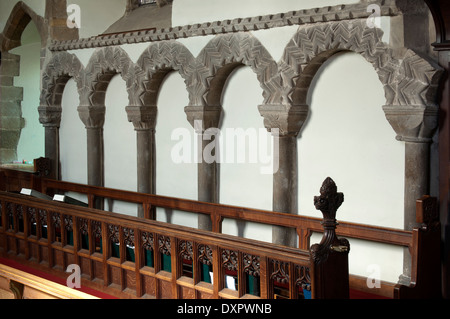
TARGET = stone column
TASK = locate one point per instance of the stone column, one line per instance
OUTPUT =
(415, 126)
(203, 119)
(285, 187)
(50, 118)
(285, 122)
(93, 118)
(144, 121)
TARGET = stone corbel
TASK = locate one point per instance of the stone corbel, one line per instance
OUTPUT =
(412, 123)
(288, 119)
(92, 116)
(142, 117)
(50, 116)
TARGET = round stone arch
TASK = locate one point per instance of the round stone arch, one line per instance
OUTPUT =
(222, 55)
(61, 67)
(155, 63)
(410, 84)
(152, 67)
(407, 78)
(102, 66)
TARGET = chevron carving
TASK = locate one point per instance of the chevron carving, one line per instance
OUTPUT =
(408, 79)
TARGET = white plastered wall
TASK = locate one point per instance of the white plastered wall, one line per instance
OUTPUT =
(346, 137)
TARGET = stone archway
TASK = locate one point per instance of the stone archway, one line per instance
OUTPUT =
(12, 96)
(215, 63)
(154, 64)
(61, 67)
(103, 65)
(410, 84)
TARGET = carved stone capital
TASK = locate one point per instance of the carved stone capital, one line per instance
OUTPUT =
(412, 123)
(142, 117)
(50, 116)
(288, 119)
(92, 116)
(208, 116)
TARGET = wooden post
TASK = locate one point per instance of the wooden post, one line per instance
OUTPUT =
(426, 276)
(329, 259)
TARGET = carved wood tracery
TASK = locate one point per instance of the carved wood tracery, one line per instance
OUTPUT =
(186, 250)
(252, 265)
(229, 259)
(83, 226)
(147, 241)
(205, 255)
(128, 236)
(280, 271)
(113, 231)
(164, 245)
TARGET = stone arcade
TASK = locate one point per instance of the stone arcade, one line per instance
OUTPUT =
(144, 54)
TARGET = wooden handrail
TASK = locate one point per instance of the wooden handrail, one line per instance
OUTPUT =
(22, 285)
(304, 225)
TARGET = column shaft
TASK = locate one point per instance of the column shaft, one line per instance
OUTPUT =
(285, 188)
(208, 183)
(95, 156)
(52, 150)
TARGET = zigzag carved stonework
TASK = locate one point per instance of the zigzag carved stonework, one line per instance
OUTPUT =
(408, 79)
(154, 64)
(57, 72)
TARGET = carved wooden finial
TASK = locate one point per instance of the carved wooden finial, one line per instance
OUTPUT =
(328, 202)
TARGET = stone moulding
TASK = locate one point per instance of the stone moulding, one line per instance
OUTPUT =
(299, 17)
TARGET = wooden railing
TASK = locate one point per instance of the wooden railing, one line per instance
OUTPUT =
(305, 226)
(17, 284)
(131, 257)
